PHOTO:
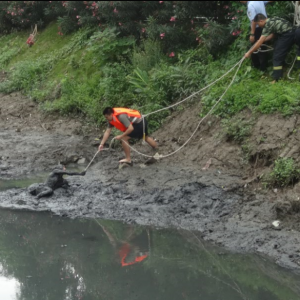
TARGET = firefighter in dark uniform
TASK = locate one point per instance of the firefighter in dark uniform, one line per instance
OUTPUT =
(286, 34)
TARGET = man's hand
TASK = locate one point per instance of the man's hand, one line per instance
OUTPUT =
(247, 55)
(252, 39)
(101, 147)
(119, 137)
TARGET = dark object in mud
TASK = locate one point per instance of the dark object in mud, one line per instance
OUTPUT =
(54, 181)
(151, 161)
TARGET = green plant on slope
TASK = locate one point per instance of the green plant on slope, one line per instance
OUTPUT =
(284, 173)
(108, 47)
(26, 75)
(6, 54)
(147, 55)
(236, 129)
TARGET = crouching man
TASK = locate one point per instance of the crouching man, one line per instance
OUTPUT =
(132, 125)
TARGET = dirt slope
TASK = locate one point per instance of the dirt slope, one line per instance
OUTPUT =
(209, 186)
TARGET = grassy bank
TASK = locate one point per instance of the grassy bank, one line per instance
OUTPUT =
(88, 70)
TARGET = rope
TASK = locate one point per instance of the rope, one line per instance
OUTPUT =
(91, 160)
(95, 157)
(288, 75)
(175, 104)
(109, 149)
(267, 50)
(34, 31)
(236, 286)
(172, 153)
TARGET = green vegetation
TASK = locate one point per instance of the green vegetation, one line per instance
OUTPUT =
(236, 129)
(88, 70)
(94, 67)
(284, 173)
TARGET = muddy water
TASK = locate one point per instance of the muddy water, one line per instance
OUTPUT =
(47, 257)
(23, 183)
(39, 177)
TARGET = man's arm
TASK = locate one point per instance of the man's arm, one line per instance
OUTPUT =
(269, 37)
(251, 12)
(256, 46)
(75, 173)
(105, 138)
(127, 132)
(252, 32)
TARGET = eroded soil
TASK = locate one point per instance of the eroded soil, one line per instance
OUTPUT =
(209, 186)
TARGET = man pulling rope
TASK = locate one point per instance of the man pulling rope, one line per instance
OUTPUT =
(131, 123)
(287, 36)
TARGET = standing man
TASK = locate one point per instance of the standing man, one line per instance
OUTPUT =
(260, 59)
(286, 38)
(131, 123)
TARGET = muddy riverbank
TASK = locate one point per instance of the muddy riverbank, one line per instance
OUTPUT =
(208, 187)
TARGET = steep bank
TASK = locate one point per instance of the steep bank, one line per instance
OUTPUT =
(219, 201)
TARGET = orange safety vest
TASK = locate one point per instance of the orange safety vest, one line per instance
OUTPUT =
(120, 110)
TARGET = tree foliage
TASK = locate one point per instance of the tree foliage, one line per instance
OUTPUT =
(176, 24)
(172, 22)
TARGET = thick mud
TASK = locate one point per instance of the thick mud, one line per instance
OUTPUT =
(207, 187)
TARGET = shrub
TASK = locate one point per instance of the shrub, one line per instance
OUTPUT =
(6, 54)
(178, 20)
(215, 37)
(236, 129)
(106, 47)
(21, 14)
(147, 55)
(26, 75)
(284, 173)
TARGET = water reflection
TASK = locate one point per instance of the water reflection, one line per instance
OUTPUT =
(9, 288)
(45, 257)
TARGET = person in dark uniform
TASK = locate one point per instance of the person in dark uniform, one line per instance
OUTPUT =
(287, 35)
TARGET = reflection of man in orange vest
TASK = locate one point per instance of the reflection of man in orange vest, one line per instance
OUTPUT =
(129, 253)
(128, 258)
(131, 123)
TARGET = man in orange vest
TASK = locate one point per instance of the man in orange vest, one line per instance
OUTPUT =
(131, 123)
